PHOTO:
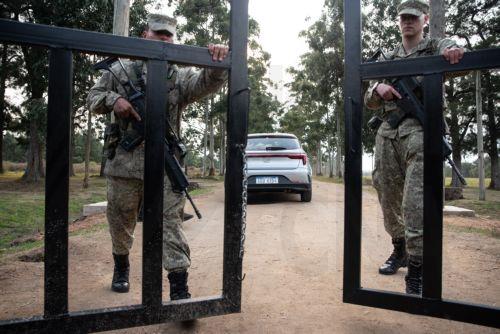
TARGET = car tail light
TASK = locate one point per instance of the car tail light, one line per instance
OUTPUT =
(300, 156)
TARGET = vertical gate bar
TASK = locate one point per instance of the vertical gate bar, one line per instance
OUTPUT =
(237, 128)
(353, 117)
(57, 182)
(433, 187)
(156, 104)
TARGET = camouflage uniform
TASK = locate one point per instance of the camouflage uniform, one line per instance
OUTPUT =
(125, 171)
(398, 173)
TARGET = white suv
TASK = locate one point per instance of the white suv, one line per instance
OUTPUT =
(277, 162)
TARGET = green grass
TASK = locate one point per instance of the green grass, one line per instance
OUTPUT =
(490, 207)
(22, 206)
(493, 233)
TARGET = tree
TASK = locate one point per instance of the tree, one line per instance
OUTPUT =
(9, 60)
(207, 21)
(32, 76)
(437, 19)
(477, 23)
(317, 88)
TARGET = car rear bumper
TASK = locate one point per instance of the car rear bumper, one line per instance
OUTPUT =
(284, 185)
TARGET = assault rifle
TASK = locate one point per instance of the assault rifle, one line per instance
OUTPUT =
(134, 137)
(411, 106)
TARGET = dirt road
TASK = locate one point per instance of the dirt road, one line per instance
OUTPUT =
(293, 267)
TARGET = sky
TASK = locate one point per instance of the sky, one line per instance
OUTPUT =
(280, 23)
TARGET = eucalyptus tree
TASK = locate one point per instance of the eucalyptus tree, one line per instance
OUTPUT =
(317, 86)
(32, 74)
(478, 24)
(207, 21)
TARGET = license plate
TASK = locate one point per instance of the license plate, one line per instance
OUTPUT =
(267, 180)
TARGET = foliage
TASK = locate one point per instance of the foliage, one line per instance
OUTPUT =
(477, 23)
(31, 64)
(207, 21)
(317, 83)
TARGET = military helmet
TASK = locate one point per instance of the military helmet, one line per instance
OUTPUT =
(413, 7)
(158, 22)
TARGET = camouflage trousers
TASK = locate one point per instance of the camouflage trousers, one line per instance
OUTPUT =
(124, 199)
(398, 179)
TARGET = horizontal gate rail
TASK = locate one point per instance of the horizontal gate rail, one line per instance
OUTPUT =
(105, 44)
(62, 43)
(119, 317)
(475, 60)
(434, 69)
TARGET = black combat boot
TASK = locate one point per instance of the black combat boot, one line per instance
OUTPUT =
(120, 275)
(178, 285)
(414, 276)
(398, 258)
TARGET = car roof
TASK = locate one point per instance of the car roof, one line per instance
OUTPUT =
(276, 134)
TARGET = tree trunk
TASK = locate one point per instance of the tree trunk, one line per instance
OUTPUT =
(34, 158)
(456, 143)
(211, 171)
(34, 164)
(493, 131)
(338, 163)
(3, 81)
(103, 164)
(72, 145)
(88, 142)
(205, 140)
(222, 169)
(320, 160)
(437, 18)
(480, 142)
(330, 163)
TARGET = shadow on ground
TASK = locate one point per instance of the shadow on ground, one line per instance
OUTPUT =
(272, 198)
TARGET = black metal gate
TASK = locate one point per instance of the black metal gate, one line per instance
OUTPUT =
(432, 68)
(62, 43)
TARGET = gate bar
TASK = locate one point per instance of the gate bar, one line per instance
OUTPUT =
(57, 182)
(239, 99)
(156, 104)
(474, 60)
(118, 317)
(105, 44)
(478, 314)
(433, 191)
(353, 116)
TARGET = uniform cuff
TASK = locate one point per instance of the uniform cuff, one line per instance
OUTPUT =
(217, 74)
(111, 98)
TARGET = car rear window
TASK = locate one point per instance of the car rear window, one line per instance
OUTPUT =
(272, 143)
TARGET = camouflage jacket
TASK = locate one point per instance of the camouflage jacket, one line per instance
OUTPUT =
(427, 47)
(186, 85)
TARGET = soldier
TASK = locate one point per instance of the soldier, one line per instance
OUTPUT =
(398, 173)
(124, 170)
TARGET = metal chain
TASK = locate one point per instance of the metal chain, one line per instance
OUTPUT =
(244, 196)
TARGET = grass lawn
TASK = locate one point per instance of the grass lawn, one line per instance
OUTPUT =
(490, 207)
(22, 206)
